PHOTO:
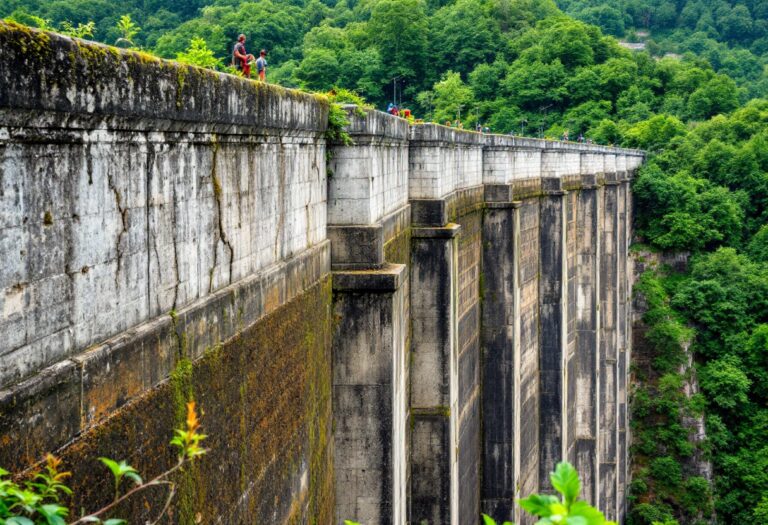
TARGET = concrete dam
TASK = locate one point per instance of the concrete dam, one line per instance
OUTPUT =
(413, 328)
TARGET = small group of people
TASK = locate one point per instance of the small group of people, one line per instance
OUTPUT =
(242, 60)
(392, 109)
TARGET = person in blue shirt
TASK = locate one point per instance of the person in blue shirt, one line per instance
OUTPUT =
(261, 65)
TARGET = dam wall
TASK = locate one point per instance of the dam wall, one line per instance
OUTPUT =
(412, 327)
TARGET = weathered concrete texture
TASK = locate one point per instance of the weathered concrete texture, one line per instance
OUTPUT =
(96, 83)
(370, 179)
(559, 163)
(434, 375)
(370, 397)
(529, 348)
(265, 398)
(608, 381)
(569, 380)
(586, 317)
(82, 392)
(499, 337)
(623, 336)
(468, 318)
(553, 297)
(369, 228)
(443, 160)
(445, 394)
(150, 212)
(114, 212)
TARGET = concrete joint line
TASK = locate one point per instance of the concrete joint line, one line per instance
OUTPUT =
(448, 231)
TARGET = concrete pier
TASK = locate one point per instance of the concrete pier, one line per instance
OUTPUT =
(368, 212)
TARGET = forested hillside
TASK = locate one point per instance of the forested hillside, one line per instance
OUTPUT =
(731, 35)
(522, 66)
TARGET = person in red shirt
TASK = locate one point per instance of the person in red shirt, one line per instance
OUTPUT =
(241, 58)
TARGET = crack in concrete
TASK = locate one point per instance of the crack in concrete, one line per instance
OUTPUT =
(150, 157)
(174, 241)
(124, 220)
(222, 236)
(280, 199)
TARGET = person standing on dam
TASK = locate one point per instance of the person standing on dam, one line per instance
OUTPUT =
(240, 57)
(261, 65)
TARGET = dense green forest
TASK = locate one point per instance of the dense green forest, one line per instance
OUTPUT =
(694, 100)
(705, 193)
(731, 35)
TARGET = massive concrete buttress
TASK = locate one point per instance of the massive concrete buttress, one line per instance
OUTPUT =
(608, 387)
(446, 199)
(411, 328)
(369, 216)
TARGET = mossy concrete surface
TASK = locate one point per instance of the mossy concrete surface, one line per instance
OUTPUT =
(51, 72)
(266, 407)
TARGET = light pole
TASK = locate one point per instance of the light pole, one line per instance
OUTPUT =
(394, 89)
(543, 109)
(523, 123)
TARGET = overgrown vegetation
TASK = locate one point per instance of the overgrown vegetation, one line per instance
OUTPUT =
(667, 484)
(720, 308)
(38, 500)
(706, 193)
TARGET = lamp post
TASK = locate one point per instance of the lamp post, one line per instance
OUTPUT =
(394, 89)
(543, 109)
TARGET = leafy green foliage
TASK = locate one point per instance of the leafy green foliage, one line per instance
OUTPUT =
(127, 30)
(37, 500)
(119, 471)
(563, 510)
(81, 31)
(448, 98)
(199, 55)
(722, 298)
(662, 448)
(337, 122)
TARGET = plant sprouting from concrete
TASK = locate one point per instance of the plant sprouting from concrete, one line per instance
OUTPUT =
(128, 31)
(79, 31)
(198, 54)
(37, 501)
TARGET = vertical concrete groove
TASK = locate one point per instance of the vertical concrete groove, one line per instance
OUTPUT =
(454, 382)
(598, 331)
(517, 365)
(564, 403)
